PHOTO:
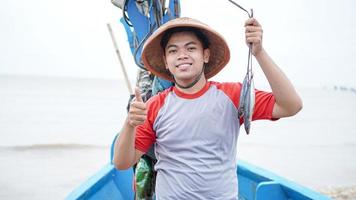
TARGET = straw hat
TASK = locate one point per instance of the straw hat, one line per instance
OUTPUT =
(152, 53)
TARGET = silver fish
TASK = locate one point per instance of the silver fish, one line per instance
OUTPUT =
(247, 102)
(247, 97)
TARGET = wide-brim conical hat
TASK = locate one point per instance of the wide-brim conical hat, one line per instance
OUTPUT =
(152, 52)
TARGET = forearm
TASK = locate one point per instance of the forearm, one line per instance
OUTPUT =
(124, 150)
(283, 90)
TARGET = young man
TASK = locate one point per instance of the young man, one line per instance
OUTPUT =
(194, 125)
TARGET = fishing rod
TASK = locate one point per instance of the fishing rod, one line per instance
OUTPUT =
(128, 84)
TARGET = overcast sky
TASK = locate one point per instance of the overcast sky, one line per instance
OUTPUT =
(313, 42)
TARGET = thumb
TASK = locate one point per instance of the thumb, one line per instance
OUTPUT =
(138, 95)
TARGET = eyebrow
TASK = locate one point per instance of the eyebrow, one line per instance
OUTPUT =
(187, 44)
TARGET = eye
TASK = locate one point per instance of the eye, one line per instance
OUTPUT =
(191, 48)
(171, 51)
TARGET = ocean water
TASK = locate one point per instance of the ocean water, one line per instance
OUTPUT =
(56, 132)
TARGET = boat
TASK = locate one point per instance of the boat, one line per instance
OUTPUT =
(254, 183)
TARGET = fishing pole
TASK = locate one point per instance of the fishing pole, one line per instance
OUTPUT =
(128, 84)
(250, 15)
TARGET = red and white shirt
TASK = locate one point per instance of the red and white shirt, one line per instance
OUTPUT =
(195, 138)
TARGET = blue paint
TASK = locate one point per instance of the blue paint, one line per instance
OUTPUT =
(143, 26)
(254, 184)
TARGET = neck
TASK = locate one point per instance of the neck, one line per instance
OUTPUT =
(195, 88)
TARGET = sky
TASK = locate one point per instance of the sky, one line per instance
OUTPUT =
(313, 42)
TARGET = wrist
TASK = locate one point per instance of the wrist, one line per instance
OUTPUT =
(128, 124)
(260, 54)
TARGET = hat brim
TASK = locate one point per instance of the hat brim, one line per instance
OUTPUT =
(152, 53)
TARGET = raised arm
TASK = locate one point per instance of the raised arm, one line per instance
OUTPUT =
(125, 154)
(288, 102)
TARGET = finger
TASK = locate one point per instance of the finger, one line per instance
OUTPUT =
(138, 105)
(254, 40)
(253, 34)
(138, 118)
(249, 29)
(134, 113)
(255, 22)
(138, 95)
(138, 108)
(252, 21)
(135, 121)
(249, 22)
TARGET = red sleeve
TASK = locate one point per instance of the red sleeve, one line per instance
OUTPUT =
(264, 101)
(145, 135)
(232, 90)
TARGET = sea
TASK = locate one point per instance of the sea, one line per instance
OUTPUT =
(56, 132)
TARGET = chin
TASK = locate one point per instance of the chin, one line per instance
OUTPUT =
(184, 78)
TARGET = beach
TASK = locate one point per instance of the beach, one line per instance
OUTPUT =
(56, 132)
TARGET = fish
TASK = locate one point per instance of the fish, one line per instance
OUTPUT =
(247, 95)
(247, 99)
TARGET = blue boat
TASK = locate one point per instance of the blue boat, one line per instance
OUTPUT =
(254, 183)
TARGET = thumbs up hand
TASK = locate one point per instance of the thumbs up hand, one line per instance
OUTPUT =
(138, 111)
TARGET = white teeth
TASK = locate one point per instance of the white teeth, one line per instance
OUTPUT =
(184, 65)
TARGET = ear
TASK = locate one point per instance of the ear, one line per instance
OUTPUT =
(206, 55)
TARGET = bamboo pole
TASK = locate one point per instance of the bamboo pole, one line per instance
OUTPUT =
(128, 84)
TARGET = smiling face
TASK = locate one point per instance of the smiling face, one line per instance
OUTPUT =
(185, 57)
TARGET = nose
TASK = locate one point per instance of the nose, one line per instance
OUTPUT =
(182, 54)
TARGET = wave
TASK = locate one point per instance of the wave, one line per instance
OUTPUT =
(52, 147)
